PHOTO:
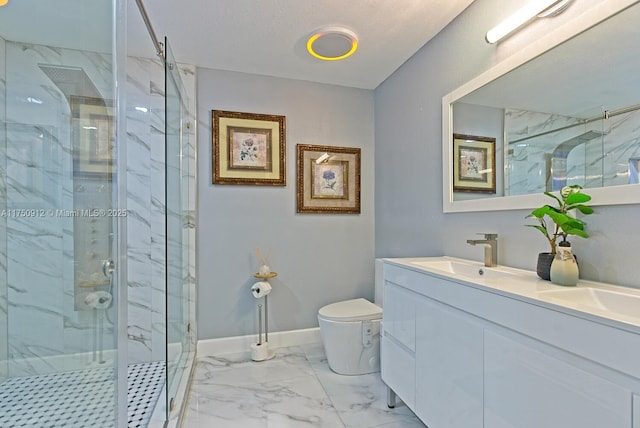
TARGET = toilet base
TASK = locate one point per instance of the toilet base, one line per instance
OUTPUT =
(344, 347)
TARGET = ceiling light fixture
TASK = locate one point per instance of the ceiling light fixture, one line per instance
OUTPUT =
(3, 2)
(332, 43)
(535, 8)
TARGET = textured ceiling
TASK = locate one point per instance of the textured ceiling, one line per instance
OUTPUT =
(268, 36)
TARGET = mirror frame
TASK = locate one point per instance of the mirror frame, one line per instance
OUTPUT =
(612, 195)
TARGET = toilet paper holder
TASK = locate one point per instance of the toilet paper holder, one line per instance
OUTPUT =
(260, 351)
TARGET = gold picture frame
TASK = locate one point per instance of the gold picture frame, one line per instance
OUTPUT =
(328, 179)
(248, 148)
(474, 164)
(92, 128)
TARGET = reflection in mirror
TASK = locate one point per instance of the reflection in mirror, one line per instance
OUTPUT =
(568, 116)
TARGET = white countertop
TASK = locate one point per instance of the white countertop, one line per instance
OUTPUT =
(526, 285)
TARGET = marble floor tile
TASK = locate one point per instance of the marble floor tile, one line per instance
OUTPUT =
(361, 401)
(295, 389)
(292, 403)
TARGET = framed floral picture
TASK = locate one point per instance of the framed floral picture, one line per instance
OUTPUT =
(474, 164)
(328, 179)
(248, 148)
(93, 136)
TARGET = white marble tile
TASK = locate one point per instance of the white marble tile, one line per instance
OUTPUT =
(361, 400)
(232, 391)
(239, 369)
(402, 424)
(297, 402)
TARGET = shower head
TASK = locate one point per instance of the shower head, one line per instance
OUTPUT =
(72, 81)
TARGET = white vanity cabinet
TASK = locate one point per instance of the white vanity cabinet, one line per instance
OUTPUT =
(526, 387)
(449, 369)
(398, 342)
(464, 356)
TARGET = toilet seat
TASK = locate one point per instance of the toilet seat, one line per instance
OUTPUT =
(350, 310)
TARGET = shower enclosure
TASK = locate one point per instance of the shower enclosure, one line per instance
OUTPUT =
(96, 218)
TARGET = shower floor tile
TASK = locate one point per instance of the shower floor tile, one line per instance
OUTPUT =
(146, 381)
(79, 399)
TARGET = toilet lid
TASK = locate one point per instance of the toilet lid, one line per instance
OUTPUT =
(351, 310)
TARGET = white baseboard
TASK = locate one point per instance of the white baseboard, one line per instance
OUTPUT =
(281, 339)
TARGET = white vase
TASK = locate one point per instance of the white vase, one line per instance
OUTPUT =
(564, 269)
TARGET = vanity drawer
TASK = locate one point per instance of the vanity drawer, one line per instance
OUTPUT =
(399, 315)
(405, 278)
(398, 370)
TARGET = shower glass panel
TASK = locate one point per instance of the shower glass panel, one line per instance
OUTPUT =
(177, 174)
(4, 343)
(58, 215)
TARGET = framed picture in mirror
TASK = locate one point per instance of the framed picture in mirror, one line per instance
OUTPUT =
(474, 164)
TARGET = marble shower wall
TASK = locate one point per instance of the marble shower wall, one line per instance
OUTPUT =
(4, 353)
(527, 156)
(620, 144)
(45, 324)
(146, 219)
(598, 162)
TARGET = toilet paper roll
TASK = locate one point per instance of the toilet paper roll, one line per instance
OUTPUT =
(98, 300)
(260, 352)
(261, 288)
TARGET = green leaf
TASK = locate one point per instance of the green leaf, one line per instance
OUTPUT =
(540, 212)
(540, 228)
(558, 218)
(551, 195)
(577, 198)
(577, 232)
(583, 209)
(571, 226)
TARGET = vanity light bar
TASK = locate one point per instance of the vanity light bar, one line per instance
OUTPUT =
(323, 158)
(523, 16)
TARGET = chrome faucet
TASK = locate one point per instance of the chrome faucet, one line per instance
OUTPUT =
(490, 243)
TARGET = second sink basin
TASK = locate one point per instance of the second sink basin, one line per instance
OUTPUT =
(610, 301)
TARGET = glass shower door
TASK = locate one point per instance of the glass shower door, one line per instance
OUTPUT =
(58, 215)
(177, 172)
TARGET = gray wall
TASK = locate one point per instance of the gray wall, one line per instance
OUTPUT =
(319, 258)
(409, 218)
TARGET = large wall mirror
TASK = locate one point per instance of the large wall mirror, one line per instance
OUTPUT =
(559, 116)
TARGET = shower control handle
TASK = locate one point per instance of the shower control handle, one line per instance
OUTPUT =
(108, 267)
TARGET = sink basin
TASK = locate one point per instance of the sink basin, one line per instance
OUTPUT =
(469, 270)
(610, 301)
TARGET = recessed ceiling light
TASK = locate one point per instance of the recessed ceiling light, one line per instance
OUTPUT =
(332, 43)
(3, 2)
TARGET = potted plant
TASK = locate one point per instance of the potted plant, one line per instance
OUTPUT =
(562, 224)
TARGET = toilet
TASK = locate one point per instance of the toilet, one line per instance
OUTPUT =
(350, 333)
